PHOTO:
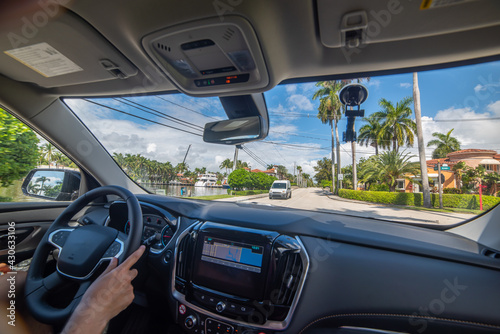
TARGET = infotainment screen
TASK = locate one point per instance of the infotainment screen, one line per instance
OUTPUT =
(232, 254)
(230, 266)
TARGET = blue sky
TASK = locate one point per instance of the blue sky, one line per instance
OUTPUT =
(460, 94)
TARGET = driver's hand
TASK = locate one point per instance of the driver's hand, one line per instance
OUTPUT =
(110, 294)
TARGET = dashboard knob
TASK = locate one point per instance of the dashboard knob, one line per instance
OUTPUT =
(221, 306)
(190, 322)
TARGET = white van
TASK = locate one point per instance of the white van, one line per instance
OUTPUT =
(280, 189)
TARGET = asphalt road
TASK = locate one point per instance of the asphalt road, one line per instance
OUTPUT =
(316, 199)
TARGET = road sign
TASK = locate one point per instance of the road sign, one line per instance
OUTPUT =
(443, 167)
(341, 177)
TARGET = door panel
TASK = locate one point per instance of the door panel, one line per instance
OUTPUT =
(28, 222)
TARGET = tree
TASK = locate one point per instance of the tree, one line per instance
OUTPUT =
(271, 166)
(459, 169)
(238, 179)
(47, 151)
(388, 166)
(330, 112)
(18, 149)
(421, 146)
(323, 170)
(227, 164)
(369, 134)
(397, 123)
(445, 144)
(281, 171)
(492, 180)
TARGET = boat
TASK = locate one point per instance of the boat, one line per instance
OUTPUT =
(206, 180)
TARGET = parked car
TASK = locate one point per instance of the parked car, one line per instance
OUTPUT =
(139, 93)
(280, 189)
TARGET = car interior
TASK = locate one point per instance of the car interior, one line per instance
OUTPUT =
(298, 271)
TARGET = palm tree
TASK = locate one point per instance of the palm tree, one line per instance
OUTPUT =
(270, 166)
(426, 194)
(445, 144)
(47, 152)
(369, 134)
(281, 170)
(389, 166)
(226, 164)
(397, 123)
(459, 169)
(330, 112)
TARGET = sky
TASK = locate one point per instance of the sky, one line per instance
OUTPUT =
(466, 99)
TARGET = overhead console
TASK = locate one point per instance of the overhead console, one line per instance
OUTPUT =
(210, 57)
(236, 279)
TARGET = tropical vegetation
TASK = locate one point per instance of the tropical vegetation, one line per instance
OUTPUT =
(444, 143)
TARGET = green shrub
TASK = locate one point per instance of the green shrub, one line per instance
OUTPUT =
(379, 187)
(460, 201)
(451, 191)
(326, 183)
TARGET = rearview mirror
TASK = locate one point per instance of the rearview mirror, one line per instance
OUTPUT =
(52, 184)
(248, 121)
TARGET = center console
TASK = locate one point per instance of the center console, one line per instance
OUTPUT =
(229, 279)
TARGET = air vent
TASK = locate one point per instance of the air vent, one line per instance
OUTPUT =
(162, 47)
(491, 253)
(182, 257)
(291, 266)
(228, 34)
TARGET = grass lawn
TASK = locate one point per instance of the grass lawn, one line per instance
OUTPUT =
(211, 197)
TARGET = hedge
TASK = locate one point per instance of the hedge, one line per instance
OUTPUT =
(415, 199)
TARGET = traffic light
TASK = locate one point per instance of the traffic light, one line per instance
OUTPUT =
(442, 178)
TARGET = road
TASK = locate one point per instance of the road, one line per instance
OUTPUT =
(316, 199)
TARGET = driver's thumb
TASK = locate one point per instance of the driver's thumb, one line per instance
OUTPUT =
(112, 265)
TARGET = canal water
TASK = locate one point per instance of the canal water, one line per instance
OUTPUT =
(16, 195)
(184, 191)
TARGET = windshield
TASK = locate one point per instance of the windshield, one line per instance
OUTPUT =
(279, 185)
(157, 140)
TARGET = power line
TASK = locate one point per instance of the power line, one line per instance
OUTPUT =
(181, 106)
(171, 118)
(254, 156)
(142, 118)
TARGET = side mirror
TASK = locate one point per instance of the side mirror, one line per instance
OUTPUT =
(248, 121)
(52, 184)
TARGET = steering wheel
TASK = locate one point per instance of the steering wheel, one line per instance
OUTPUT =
(82, 250)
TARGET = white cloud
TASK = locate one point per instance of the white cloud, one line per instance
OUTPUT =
(290, 89)
(494, 107)
(405, 85)
(300, 102)
(372, 83)
(151, 148)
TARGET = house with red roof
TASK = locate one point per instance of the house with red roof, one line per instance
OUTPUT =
(489, 159)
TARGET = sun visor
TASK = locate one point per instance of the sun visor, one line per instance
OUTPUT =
(52, 47)
(355, 23)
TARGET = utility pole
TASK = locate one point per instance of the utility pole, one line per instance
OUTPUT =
(236, 147)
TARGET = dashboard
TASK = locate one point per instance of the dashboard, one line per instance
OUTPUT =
(157, 224)
(237, 268)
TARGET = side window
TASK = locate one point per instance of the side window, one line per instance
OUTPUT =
(32, 169)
